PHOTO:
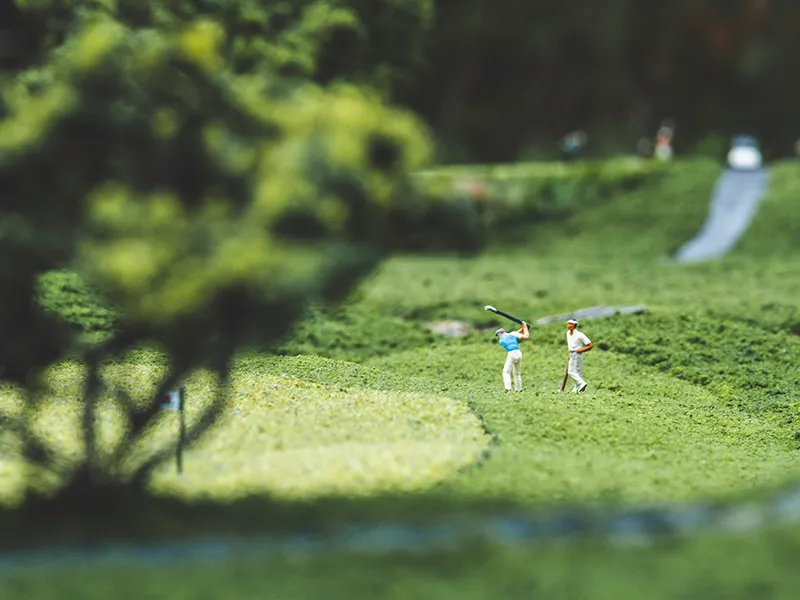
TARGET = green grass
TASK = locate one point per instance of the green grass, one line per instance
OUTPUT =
(637, 436)
(538, 190)
(65, 294)
(708, 566)
(299, 440)
(293, 439)
(695, 399)
(707, 361)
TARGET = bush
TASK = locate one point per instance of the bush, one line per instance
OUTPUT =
(210, 208)
(533, 191)
(366, 41)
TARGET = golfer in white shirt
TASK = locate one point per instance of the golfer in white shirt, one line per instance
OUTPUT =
(577, 343)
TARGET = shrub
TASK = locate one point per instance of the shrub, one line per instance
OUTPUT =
(505, 193)
(210, 208)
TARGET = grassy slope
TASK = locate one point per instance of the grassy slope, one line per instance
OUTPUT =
(710, 361)
(643, 436)
(700, 365)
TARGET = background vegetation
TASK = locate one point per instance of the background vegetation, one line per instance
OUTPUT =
(505, 80)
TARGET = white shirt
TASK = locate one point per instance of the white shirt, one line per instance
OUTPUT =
(577, 340)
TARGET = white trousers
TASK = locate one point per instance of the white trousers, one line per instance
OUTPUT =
(513, 363)
(575, 369)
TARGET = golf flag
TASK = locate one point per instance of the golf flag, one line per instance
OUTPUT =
(174, 401)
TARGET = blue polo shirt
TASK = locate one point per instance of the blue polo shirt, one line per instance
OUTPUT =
(509, 341)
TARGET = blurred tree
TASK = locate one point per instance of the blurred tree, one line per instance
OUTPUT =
(387, 48)
(17, 40)
(210, 207)
(496, 79)
(369, 41)
(502, 75)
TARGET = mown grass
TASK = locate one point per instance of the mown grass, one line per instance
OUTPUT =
(299, 440)
(638, 435)
(715, 347)
(696, 398)
(278, 436)
(690, 399)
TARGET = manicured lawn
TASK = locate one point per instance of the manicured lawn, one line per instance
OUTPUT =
(695, 399)
(278, 436)
(712, 357)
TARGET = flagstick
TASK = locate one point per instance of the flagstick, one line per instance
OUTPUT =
(181, 434)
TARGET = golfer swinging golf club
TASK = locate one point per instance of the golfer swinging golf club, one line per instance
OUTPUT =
(510, 342)
(577, 343)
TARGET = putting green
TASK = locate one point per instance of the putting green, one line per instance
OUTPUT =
(277, 435)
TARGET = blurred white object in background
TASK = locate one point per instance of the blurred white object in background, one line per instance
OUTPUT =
(663, 149)
(572, 143)
(744, 153)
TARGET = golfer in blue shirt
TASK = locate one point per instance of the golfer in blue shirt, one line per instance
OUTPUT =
(510, 342)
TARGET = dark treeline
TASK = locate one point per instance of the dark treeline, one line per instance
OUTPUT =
(500, 80)
(504, 79)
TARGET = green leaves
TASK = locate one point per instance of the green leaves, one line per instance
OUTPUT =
(209, 197)
(324, 40)
(503, 194)
(199, 182)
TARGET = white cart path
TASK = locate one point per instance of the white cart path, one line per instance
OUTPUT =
(734, 202)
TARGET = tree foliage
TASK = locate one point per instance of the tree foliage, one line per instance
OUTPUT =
(374, 42)
(502, 80)
(211, 204)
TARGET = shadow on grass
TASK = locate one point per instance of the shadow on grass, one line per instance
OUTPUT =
(118, 522)
(121, 515)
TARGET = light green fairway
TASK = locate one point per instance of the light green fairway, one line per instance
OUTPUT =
(637, 435)
(278, 436)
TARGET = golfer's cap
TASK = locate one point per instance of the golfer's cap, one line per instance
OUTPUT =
(499, 331)
(573, 321)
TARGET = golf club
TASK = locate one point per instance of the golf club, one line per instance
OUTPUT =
(504, 314)
(566, 374)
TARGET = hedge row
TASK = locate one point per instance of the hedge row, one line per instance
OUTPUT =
(499, 194)
(506, 192)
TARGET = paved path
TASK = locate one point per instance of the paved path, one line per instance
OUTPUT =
(733, 205)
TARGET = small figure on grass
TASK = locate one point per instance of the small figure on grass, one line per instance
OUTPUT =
(510, 342)
(577, 343)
